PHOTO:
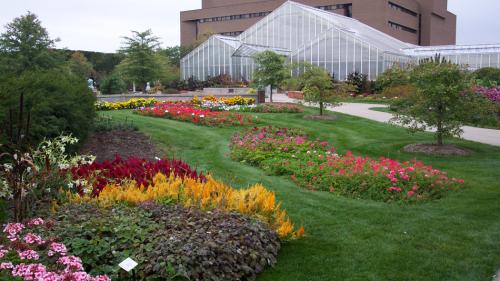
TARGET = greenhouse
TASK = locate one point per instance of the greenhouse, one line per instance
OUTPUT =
(340, 44)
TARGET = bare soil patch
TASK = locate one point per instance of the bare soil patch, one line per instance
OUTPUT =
(125, 143)
(434, 149)
(321, 117)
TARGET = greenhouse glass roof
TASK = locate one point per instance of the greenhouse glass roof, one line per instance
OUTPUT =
(340, 44)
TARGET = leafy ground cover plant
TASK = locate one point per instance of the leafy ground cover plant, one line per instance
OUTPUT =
(314, 164)
(188, 113)
(25, 254)
(130, 104)
(91, 178)
(170, 242)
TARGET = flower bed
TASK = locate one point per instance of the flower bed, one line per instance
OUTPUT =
(26, 255)
(256, 108)
(254, 201)
(130, 104)
(295, 95)
(168, 240)
(188, 113)
(91, 178)
(238, 100)
(492, 94)
(315, 165)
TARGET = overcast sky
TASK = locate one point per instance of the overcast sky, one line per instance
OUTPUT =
(97, 25)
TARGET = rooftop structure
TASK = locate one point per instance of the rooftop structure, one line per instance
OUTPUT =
(339, 44)
(419, 22)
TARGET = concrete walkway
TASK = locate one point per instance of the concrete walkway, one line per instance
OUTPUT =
(487, 136)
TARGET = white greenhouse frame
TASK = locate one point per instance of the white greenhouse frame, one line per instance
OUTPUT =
(339, 44)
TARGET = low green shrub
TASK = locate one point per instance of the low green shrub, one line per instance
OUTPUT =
(57, 103)
(170, 242)
(488, 75)
(113, 85)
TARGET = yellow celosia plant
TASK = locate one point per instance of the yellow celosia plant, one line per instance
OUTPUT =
(255, 201)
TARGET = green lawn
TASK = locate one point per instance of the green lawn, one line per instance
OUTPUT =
(456, 238)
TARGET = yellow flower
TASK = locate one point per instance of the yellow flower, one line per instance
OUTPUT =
(254, 201)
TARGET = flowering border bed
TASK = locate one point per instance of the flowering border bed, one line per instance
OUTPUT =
(130, 104)
(315, 165)
(91, 178)
(256, 108)
(188, 113)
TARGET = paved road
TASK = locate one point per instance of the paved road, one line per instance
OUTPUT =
(487, 136)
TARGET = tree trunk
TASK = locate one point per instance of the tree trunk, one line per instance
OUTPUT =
(271, 94)
(320, 108)
(440, 133)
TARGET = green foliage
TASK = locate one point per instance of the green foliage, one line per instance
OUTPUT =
(393, 76)
(488, 75)
(141, 63)
(113, 84)
(318, 87)
(174, 54)
(57, 102)
(270, 70)
(168, 241)
(441, 100)
(398, 91)
(79, 66)
(103, 238)
(359, 81)
(25, 45)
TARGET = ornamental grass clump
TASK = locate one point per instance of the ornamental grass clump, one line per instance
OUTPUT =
(25, 254)
(314, 164)
(255, 201)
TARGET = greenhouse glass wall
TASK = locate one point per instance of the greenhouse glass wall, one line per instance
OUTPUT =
(339, 44)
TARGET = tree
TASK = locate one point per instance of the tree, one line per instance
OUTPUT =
(80, 66)
(174, 54)
(270, 70)
(441, 100)
(140, 63)
(318, 87)
(25, 45)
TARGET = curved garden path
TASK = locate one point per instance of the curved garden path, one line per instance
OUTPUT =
(482, 135)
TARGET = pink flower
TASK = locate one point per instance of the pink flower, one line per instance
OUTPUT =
(31, 238)
(28, 255)
(37, 221)
(57, 248)
(410, 193)
(6, 265)
(12, 229)
(71, 262)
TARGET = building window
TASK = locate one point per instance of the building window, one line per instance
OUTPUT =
(398, 26)
(232, 33)
(346, 7)
(234, 17)
(400, 8)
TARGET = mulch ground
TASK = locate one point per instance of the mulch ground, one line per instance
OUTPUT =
(434, 149)
(125, 143)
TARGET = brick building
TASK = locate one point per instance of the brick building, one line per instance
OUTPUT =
(419, 22)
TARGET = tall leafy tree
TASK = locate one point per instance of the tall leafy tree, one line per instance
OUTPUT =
(271, 70)
(442, 100)
(25, 45)
(80, 66)
(174, 54)
(140, 64)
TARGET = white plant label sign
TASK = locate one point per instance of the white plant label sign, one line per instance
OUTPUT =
(128, 264)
